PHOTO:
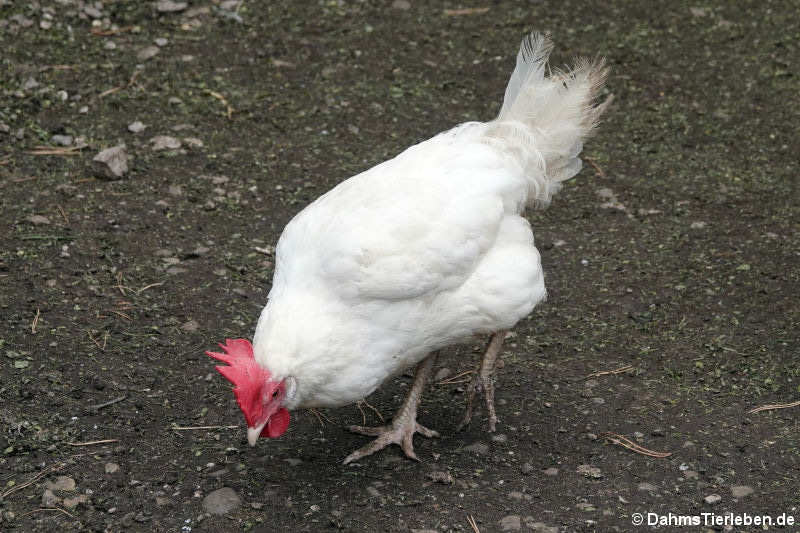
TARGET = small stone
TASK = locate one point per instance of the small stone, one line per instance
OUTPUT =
(127, 520)
(444, 478)
(740, 491)
(111, 163)
(136, 126)
(148, 52)
(648, 487)
(552, 471)
(93, 12)
(516, 495)
(479, 448)
(168, 6)
(30, 84)
(61, 483)
(658, 432)
(175, 190)
(165, 142)
(586, 507)
(110, 45)
(161, 42)
(4, 128)
(38, 220)
(71, 503)
(49, 499)
(174, 100)
(403, 5)
(61, 140)
(539, 527)
(111, 468)
(691, 474)
(190, 326)
(711, 499)
(526, 468)
(221, 501)
(698, 225)
(500, 438)
(162, 501)
(512, 522)
(45, 24)
(193, 142)
(293, 461)
(590, 471)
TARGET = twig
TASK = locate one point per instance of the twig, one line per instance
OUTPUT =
(471, 521)
(222, 99)
(193, 428)
(92, 442)
(49, 470)
(619, 370)
(140, 291)
(106, 404)
(596, 167)
(374, 410)
(59, 509)
(629, 444)
(5, 160)
(452, 379)
(45, 238)
(120, 313)
(50, 150)
(55, 67)
(773, 406)
(121, 87)
(97, 32)
(319, 416)
(95, 340)
(465, 11)
(35, 321)
(63, 214)
(23, 180)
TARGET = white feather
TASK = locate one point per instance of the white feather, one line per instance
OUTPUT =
(427, 248)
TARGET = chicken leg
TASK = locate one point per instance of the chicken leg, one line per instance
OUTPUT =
(404, 424)
(484, 380)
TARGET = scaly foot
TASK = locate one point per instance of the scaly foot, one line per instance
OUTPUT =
(401, 433)
(484, 382)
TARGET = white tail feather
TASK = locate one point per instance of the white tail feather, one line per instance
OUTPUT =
(544, 119)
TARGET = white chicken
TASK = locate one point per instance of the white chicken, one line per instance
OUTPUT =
(415, 254)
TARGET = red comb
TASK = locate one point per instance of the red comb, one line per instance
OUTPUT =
(244, 372)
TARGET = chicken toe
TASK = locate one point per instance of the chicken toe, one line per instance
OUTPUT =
(484, 382)
(404, 425)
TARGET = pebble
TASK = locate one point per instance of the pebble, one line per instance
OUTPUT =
(71, 503)
(444, 478)
(479, 448)
(698, 225)
(512, 522)
(30, 84)
(691, 474)
(590, 471)
(552, 471)
(148, 52)
(61, 140)
(649, 487)
(740, 491)
(161, 42)
(711, 499)
(500, 438)
(49, 499)
(136, 126)
(111, 163)
(403, 5)
(38, 220)
(193, 142)
(221, 501)
(165, 142)
(168, 6)
(4, 128)
(190, 326)
(110, 45)
(526, 468)
(539, 527)
(111, 468)
(61, 483)
(93, 12)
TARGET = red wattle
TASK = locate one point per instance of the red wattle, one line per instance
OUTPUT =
(277, 424)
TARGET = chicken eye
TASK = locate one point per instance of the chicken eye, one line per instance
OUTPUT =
(275, 394)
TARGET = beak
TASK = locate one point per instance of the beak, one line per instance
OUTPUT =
(254, 433)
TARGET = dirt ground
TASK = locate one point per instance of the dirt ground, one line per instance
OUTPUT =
(671, 261)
